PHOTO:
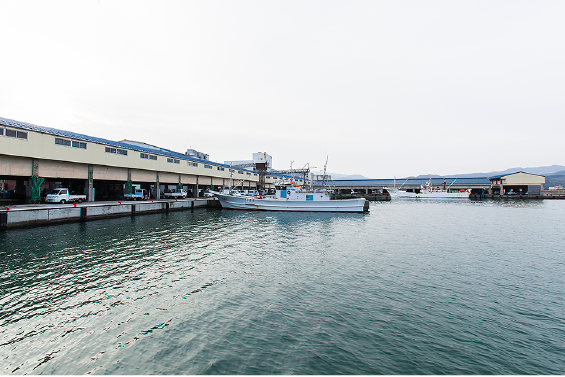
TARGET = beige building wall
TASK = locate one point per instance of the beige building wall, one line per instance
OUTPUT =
(523, 179)
(168, 178)
(42, 147)
(109, 173)
(204, 180)
(60, 169)
(188, 179)
(143, 176)
(19, 166)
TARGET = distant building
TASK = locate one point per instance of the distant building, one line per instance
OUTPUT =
(321, 177)
(260, 161)
(517, 184)
(195, 153)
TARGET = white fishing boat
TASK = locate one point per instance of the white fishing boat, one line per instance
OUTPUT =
(432, 194)
(291, 197)
(429, 191)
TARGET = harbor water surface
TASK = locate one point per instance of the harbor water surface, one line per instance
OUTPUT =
(412, 287)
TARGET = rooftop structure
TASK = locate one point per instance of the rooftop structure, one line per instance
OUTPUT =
(195, 153)
(261, 161)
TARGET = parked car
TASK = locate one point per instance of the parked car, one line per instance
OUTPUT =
(178, 193)
(138, 194)
(62, 195)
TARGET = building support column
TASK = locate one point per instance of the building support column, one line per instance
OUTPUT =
(129, 184)
(157, 191)
(34, 173)
(89, 189)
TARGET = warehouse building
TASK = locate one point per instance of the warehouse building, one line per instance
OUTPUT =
(519, 183)
(35, 159)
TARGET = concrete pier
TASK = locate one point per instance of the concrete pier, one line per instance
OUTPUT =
(45, 214)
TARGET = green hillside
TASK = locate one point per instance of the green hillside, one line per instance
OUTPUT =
(556, 179)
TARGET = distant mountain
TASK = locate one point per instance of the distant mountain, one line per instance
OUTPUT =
(541, 170)
(555, 179)
(554, 174)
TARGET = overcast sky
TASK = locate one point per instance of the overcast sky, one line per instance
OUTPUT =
(384, 88)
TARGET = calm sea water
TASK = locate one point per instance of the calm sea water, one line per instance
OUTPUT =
(413, 287)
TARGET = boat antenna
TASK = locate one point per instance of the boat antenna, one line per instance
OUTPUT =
(291, 172)
(231, 176)
(324, 176)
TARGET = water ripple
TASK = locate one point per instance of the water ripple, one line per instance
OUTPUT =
(411, 288)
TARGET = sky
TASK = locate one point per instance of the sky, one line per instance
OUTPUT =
(381, 88)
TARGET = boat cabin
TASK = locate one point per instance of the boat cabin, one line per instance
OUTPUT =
(290, 190)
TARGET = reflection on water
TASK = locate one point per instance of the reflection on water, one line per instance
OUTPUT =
(413, 287)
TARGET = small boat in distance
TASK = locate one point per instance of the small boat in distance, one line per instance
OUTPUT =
(429, 191)
(291, 197)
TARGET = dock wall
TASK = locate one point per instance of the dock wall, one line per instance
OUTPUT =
(20, 216)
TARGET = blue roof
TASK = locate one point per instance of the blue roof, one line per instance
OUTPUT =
(516, 172)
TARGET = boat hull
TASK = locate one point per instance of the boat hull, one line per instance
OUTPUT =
(267, 204)
(432, 195)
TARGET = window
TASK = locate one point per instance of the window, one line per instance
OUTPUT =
(239, 172)
(195, 164)
(78, 144)
(13, 133)
(255, 174)
(221, 169)
(173, 161)
(207, 166)
(116, 151)
(248, 173)
(70, 143)
(64, 142)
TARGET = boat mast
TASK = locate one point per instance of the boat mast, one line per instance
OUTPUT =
(231, 177)
(291, 172)
(324, 176)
